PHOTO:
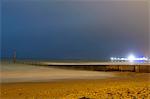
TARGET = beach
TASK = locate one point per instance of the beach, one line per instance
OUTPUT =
(38, 82)
(11, 73)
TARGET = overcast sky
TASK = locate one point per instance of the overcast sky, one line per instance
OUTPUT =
(64, 29)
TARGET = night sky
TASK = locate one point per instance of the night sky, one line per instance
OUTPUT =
(63, 29)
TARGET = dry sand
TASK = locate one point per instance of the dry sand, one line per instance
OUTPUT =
(54, 83)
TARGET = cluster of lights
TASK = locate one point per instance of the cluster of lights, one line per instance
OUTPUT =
(130, 58)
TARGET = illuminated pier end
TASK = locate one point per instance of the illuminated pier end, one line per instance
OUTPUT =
(131, 58)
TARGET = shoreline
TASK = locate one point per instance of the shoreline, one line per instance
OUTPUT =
(27, 73)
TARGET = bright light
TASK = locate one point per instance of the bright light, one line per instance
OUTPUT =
(122, 58)
(131, 58)
(112, 58)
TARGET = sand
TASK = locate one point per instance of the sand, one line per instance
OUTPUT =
(76, 84)
(30, 73)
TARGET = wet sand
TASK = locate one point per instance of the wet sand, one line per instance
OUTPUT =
(30, 73)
